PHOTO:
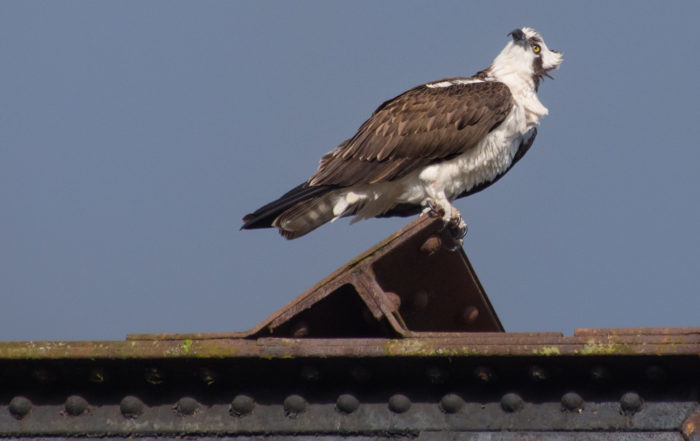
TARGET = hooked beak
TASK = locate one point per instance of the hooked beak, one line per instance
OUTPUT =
(517, 34)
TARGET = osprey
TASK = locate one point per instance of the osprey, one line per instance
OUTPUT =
(427, 147)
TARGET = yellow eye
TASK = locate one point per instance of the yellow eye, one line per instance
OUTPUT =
(536, 48)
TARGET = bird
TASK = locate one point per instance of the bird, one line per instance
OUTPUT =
(426, 147)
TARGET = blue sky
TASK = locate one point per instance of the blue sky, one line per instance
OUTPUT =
(135, 135)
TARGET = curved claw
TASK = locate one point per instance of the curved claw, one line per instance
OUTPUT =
(458, 230)
(433, 209)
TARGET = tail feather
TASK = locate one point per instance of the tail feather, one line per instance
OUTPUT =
(264, 217)
(305, 217)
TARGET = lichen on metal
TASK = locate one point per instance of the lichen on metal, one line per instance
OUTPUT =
(618, 343)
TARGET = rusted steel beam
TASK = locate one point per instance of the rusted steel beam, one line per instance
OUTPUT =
(665, 342)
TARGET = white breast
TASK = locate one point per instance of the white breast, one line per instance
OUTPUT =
(489, 159)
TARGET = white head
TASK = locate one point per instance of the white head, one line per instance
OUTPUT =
(526, 58)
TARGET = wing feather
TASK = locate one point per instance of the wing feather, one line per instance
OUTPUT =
(418, 127)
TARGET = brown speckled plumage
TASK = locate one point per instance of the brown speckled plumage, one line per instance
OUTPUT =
(415, 129)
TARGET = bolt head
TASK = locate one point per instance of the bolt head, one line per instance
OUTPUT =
(208, 376)
(451, 403)
(630, 402)
(301, 329)
(399, 403)
(294, 404)
(131, 406)
(20, 407)
(154, 376)
(600, 374)
(310, 373)
(347, 403)
(431, 245)
(484, 374)
(511, 402)
(41, 375)
(97, 376)
(436, 375)
(242, 405)
(538, 374)
(470, 315)
(571, 401)
(75, 405)
(186, 406)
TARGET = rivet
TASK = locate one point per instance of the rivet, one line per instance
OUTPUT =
(451, 403)
(154, 376)
(131, 406)
(310, 373)
(571, 401)
(420, 300)
(399, 403)
(690, 428)
(75, 405)
(242, 405)
(600, 374)
(511, 402)
(630, 402)
(41, 375)
(294, 404)
(431, 245)
(392, 301)
(186, 406)
(208, 376)
(20, 407)
(347, 403)
(538, 373)
(655, 374)
(484, 374)
(436, 375)
(301, 329)
(360, 374)
(470, 315)
(97, 376)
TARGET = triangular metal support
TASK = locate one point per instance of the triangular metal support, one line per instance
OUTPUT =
(409, 284)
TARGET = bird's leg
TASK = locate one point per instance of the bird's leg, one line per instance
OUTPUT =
(451, 217)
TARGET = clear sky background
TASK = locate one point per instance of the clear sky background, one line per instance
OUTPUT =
(135, 135)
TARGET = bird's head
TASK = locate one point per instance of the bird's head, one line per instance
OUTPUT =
(525, 57)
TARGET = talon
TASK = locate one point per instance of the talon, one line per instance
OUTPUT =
(457, 229)
(433, 209)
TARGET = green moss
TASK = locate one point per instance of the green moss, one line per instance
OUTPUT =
(598, 348)
(547, 351)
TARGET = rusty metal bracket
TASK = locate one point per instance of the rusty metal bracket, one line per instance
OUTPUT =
(414, 283)
(408, 284)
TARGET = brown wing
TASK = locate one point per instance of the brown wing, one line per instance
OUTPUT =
(419, 127)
